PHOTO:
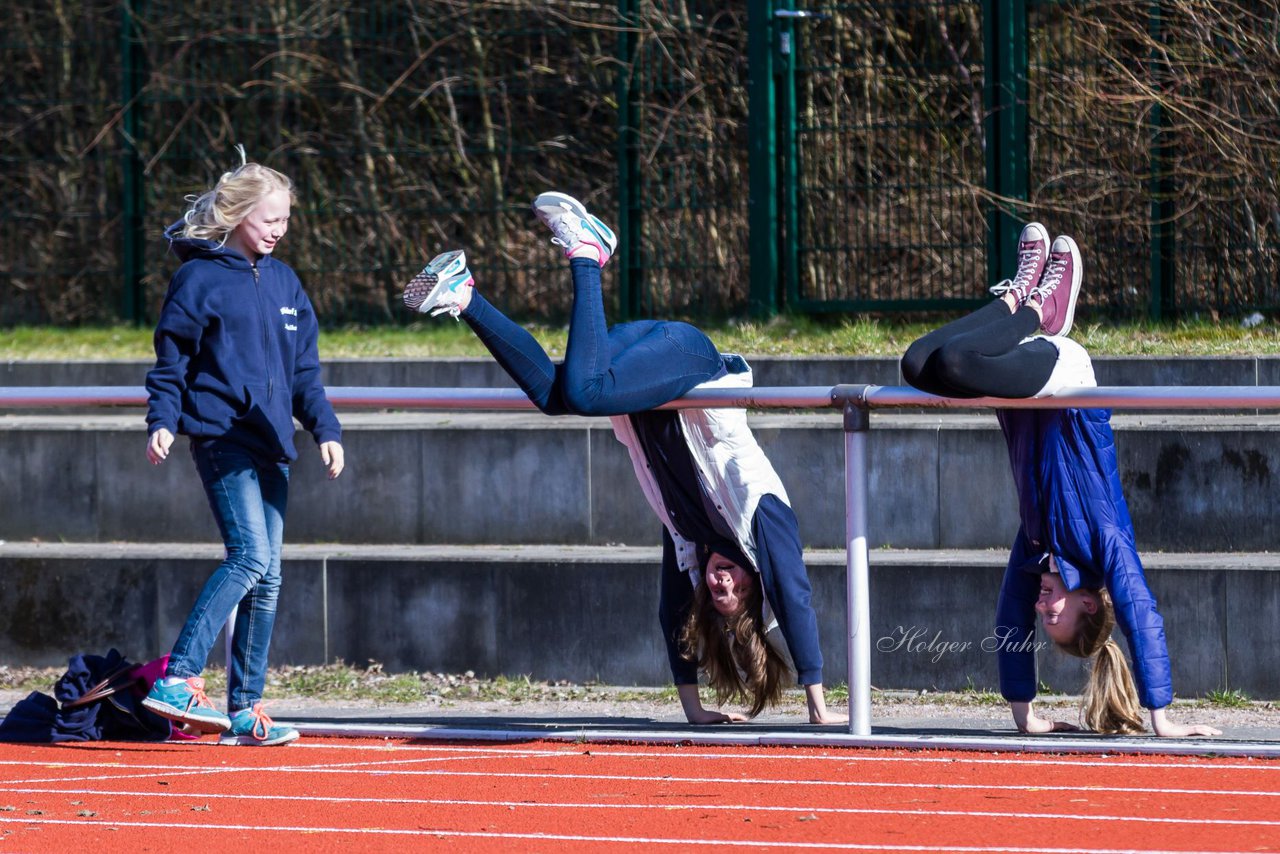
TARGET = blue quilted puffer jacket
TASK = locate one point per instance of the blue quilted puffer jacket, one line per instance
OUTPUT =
(1071, 506)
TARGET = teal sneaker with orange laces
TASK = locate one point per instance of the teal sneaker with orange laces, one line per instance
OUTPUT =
(187, 703)
(253, 728)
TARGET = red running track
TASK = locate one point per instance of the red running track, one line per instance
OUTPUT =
(323, 794)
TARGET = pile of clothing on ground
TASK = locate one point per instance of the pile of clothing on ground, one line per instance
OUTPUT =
(99, 698)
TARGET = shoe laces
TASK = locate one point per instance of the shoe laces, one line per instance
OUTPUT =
(449, 307)
(198, 696)
(262, 722)
(1053, 273)
(568, 229)
(1020, 285)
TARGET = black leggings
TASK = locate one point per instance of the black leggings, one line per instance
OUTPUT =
(982, 355)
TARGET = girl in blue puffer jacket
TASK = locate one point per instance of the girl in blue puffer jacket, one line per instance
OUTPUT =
(1074, 561)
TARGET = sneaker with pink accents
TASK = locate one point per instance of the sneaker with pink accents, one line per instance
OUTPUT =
(440, 287)
(1058, 288)
(574, 227)
(1033, 253)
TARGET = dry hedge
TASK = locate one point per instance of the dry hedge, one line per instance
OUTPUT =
(418, 125)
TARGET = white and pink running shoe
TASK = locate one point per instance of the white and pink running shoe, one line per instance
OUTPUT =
(573, 226)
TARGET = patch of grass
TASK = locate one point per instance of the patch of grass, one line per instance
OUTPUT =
(29, 678)
(981, 696)
(799, 335)
(1228, 698)
(640, 694)
(836, 693)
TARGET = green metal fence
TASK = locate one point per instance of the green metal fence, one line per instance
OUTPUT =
(918, 137)
(882, 121)
(806, 155)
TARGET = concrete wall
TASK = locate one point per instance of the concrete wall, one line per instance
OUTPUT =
(519, 544)
(1194, 483)
(591, 613)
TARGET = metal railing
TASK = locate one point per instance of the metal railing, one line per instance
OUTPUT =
(855, 400)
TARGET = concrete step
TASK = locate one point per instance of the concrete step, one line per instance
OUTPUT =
(938, 480)
(590, 613)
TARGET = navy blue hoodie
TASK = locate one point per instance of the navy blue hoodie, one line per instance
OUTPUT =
(236, 354)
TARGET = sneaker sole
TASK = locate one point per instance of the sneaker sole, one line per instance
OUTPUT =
(1077, 276)
(422, 292)
(250, 741)
(173, 713)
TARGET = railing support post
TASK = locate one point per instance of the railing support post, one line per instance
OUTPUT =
(857, 423)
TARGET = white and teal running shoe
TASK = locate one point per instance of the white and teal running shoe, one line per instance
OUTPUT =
(438, 288)
(574, 226)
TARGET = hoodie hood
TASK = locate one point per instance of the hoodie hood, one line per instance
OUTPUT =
(190, 248)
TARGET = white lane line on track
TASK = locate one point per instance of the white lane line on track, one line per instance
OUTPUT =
(150, 775)
(186, 770)
(666, 778)
(620, 840)
(664, 807)
(1021, 760)
(847, 756)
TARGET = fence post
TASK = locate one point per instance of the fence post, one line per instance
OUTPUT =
(762, 194)
(1162, 299)
(133, 240)
(630, 218)
(788, 236)
(1004, 36)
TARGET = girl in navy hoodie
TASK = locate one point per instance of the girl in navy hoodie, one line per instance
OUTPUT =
(236, 362)
(1074, 561)
(735, 597)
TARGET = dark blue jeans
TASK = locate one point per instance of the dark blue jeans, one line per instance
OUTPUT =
(615, 370)
(248, 498)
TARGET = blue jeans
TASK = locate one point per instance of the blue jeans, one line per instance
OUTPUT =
(615, 370)
(248, 498)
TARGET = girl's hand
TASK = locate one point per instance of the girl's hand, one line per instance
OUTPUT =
(817, 702)
(1166, 728)
(331, 455)
(158, 444)
(1027, 721)
(696, 714)
(711, 716)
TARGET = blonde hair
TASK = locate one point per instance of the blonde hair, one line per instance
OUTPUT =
(214, 214)
(739, 662)
(1110, 704)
